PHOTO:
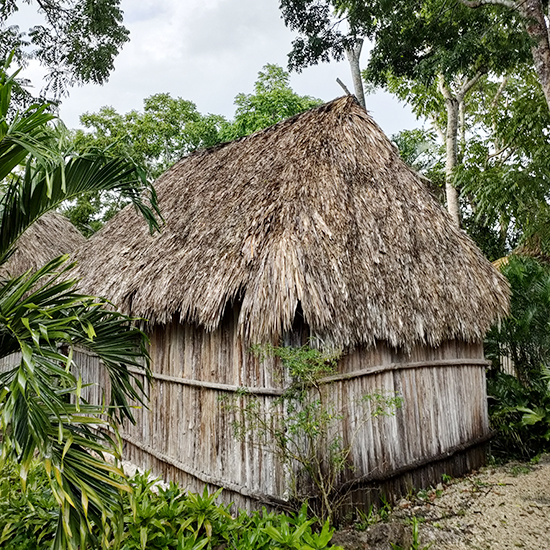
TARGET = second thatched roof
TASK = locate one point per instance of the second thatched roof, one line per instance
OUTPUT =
(317, 211)
(50, 236)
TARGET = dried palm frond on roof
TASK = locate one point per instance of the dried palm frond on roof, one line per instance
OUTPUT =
(50, 236)
(318, 210)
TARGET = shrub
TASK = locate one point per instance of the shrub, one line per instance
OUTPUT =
(154, 518)
(519, 404)
(28, 518)
(303, 427)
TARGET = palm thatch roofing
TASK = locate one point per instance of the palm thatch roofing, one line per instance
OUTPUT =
(317, 211)
(50, 236)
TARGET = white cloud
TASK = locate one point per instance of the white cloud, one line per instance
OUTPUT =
(207, 51)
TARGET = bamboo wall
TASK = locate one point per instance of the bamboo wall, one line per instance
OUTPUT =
(185, 435)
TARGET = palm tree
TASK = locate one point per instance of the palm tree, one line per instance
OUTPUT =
(43, 319)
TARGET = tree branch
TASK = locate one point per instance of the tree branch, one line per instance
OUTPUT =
(343, 87)
(437, 126)
(499, 152)
(499, 92)
(468, 85)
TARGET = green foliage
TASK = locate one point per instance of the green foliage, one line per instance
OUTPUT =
(155, 518)
(419, 42)
(519, 406)
(167, 129)
(303, 427)
(322, 36)
(503, 145)
(415, 544)
(520, 416)
(43, 319)
(525, 335)
(416, 40)
(273, 100)
(77, 41)
(305, 365)
(53, 171)
(28, 519)
(505, 171)
(373, 515)
(421, 151)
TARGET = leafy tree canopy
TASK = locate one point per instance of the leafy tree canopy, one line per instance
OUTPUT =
(410, 39)
(505, 170)
(273, 100)
(326, 28)
(169, 128)
(77, 40)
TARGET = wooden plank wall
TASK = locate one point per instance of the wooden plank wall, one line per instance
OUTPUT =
(9, 362)
(186, 436)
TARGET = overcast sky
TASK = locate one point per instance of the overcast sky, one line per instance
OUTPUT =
(207, 51)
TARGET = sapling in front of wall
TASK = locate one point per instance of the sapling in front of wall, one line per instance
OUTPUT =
(303, 427)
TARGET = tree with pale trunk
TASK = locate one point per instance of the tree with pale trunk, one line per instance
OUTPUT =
(438, 47)
(320, 24)
(534, 16)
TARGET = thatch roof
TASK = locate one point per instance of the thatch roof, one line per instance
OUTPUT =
(50, 236)
(318, 210)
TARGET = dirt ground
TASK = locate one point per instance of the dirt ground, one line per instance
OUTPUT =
(498, 508)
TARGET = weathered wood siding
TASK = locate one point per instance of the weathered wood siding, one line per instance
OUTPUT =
(9, 362)
(187, 436)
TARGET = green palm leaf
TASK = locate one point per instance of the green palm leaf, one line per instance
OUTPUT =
(43, 319)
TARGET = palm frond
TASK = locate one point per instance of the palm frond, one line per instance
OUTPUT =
(43, 318)
(39, 190)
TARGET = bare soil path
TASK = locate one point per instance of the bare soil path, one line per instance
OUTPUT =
(498, 508)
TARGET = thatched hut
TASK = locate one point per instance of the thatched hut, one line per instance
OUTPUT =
(311, 228)
(50, 236)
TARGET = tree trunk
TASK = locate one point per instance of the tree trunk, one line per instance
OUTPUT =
(537, 29)
(455, 107)
(461, 130)
(451, 153)
(353, 55)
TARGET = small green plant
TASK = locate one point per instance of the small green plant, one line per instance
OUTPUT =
(447, 479)
(366, 519)
(422, 494)
(519, 469)
(385, 510)
(373, 516)
(303, 427)
(415, 545)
